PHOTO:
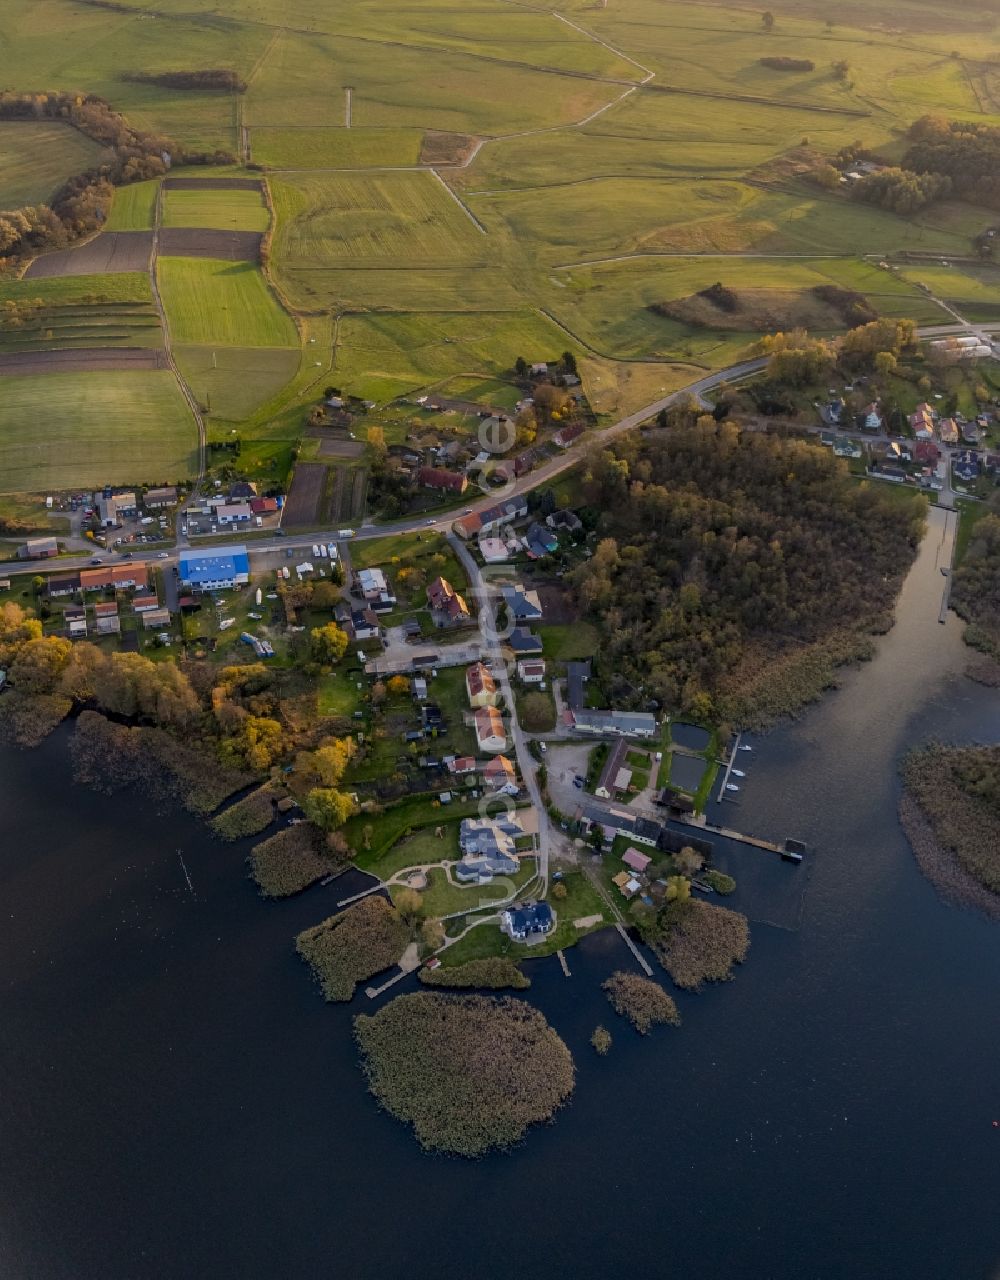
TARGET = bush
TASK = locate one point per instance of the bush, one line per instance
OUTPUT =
(348, 948)
(698, 943)
(470, 1073)
(720, 882)
(492, 972)
(290, 861)
(642, 1001)
(780, 63)
(247, 816)
(601, 1040)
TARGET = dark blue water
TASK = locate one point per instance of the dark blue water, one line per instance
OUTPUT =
(177, 1101)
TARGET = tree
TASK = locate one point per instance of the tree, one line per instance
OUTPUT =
(521, 367)
(367, 831)
(324, 595)
(327, 808)
(767, 20)
(398, 686)
(259, 742)
(569, 361)
(331, 760)
(678, 889)
(328, 644)
(432, 936)
(559, 891)
(886, 363)
(410, 905)
(842, 69)
(16, 629)
(377, 445)
(688, 861)
(40, 663)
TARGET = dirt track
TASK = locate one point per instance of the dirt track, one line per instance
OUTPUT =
(107, 254)
(199, 242)
(213, 184)
(81, 360)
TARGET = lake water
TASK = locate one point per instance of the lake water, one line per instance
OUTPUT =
(177, 1100)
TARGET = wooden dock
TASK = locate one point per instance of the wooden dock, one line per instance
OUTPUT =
(565, 966)
(755, 841)
(641, 960)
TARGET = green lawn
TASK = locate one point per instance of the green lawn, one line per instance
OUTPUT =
(569, 642)
(424, 847)
(233, 381)
(63, 430)
(133, 207)
(37, 156)
(215, 303)
(337, 694)
(236, 210)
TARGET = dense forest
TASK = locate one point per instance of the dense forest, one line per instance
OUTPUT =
(726, 551)
(966, 154)
(975, 592)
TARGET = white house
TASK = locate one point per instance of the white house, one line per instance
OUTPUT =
(491, 737)
(531, 670)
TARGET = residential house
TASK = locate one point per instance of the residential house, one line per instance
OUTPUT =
(215, 570)
(157, 499)
(480, 686)
(922, 422)
(64, 584)
(106, 619)
(146, 601)
(119, 576)
(636, 861)
(38, 549)
(447, 605)
(527, 922)
(948, 431)
(491, 736)
(233, 513)
(540, 541)
(966, 465)
(242, 491)
(927, 453)
(567, 435)
(627, 885)
(832, 413)
(75, 618)
(897, 452)
(523, 642)
(112, 508)
(531, 670)
(493, 518)
(970, 433)
(539, 369)
(493, 550)
(156, 619)
(645, 831)
(846, 448)
(264, 506)
(477, 868)
(871, 418)
(371, 583)
(525, 462)
(615, 776)
(364, 625)
(565, 521)
(490, 835)
(577, 675)
(500, 772)
(460, 765)
(522, 605)
(439, 478)
(383, 603)
(629, 724)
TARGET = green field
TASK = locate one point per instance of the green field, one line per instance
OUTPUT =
(335, 148)
(232, 381)
(36, 157)
(80, 311)
(219, 210)
(214, 303)
(61, 430)
(133, 207)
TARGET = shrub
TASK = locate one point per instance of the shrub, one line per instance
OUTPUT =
(348, 948)
(698, 943)
(642, 1001)
(493, 972)
(601, 1040)
(470, 1073)
(780, 63)
(247, 816)
(720, 882)
(290, 861)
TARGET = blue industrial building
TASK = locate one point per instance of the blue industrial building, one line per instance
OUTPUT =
(214, 570)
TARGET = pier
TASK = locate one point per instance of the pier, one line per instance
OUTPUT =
(641, 960)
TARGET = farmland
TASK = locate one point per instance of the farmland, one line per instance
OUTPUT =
(454, 188)
(59, 430)
(36, 157)
(212, 302)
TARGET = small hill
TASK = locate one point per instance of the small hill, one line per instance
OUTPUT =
(820, 309)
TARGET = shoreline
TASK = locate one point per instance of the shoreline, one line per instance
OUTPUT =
(940, 868)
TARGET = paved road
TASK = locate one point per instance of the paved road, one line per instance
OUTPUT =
(541, 476)
(491, 647)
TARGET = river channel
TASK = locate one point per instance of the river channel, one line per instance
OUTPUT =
(176, 1100)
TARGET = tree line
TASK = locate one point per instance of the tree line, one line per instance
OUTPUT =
(80, 206)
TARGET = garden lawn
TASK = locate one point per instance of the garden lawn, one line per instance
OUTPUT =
(69, 430)
(212, 302)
